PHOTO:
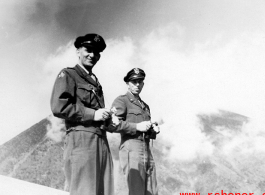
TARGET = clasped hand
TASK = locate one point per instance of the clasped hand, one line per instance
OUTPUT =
(146, 125)
(102, 114)
(143, 126)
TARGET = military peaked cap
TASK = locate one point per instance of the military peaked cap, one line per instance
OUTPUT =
(90, 40)
(133, 74)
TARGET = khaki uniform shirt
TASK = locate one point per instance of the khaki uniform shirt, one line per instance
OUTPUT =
(75, 98)
(130, 111)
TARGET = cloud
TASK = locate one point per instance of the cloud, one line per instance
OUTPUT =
(56, 129)
(180, 84)
(249, 141)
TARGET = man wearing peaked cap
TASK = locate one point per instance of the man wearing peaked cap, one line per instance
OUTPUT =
(136, 130)
(77, 97)
(91, 40)
(133, 74)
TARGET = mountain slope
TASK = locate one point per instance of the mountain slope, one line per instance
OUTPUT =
(32, 157)
(235, 166)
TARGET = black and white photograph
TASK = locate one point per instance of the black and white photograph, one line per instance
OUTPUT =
(132, 97)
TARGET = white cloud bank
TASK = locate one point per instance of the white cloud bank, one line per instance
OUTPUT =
(181, 84)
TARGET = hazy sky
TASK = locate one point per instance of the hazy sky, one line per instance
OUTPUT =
(199, 55)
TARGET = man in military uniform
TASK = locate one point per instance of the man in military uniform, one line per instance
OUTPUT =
(135, 124)
(77, 97)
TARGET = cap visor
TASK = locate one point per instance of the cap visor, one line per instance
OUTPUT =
(89, 46)
(135, 78)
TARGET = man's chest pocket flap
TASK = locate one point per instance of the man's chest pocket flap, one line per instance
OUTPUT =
(134, 115)
(84, 91)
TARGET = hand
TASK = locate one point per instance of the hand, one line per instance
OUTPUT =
(143, 126)
(156, 127)
(102, 114)
(115, 120)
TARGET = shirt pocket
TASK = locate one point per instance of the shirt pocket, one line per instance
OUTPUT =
(134, 115)
(85, 93)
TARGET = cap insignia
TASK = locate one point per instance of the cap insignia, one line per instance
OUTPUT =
(97, 38)
(136, 71)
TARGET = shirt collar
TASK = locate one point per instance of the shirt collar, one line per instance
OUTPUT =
(83, 68)
(135, 97)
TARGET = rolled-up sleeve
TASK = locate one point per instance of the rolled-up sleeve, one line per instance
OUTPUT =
(64, 103)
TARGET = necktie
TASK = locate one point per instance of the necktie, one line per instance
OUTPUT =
(92, 76)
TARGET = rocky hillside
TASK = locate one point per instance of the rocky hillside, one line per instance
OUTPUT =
(239, 168)
(32, 157)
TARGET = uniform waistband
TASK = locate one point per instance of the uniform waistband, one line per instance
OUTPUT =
(137, 136)
(95, 127)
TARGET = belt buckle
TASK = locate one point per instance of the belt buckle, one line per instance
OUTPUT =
(70, 129)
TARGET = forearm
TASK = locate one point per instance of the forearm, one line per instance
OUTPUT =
(72, 112)
(65, 103)
(124, 127)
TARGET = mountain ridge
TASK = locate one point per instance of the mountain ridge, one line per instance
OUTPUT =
(32, 156)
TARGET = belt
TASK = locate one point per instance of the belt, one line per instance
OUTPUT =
(93, 128)
(137, 136)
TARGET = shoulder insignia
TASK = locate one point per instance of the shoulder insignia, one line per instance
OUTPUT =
(61, 74)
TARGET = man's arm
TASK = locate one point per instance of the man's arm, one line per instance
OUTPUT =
(64, 104)
(121, 111)
(126, 127)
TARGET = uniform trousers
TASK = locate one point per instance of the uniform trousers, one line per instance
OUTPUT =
(88, 164)
(138, 166)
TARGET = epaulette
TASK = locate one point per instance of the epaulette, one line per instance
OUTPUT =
(70, 68)
(69, 71)
(121, 97)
